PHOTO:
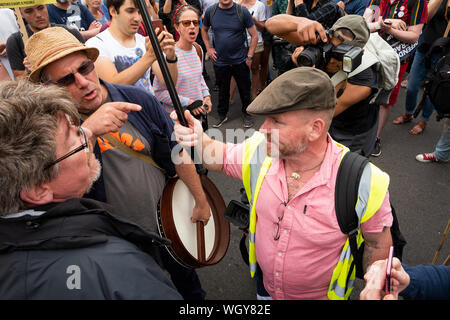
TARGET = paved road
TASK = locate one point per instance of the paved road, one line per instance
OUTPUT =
(419, 192)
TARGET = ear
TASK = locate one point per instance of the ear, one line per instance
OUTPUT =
(316, 129)
(112, 11)
(37, 195)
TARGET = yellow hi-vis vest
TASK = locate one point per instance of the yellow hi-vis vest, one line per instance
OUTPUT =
(371, 193)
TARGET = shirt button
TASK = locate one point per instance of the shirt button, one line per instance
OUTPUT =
(277, 274)
(284, 231)
(280, 254)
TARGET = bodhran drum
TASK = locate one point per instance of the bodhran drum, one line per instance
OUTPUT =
(190, 246)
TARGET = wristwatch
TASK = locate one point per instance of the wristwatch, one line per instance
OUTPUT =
(249, 58)
(172, 61)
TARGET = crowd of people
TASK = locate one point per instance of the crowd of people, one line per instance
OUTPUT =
(89, 138)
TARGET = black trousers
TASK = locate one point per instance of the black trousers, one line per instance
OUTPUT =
(241, 74)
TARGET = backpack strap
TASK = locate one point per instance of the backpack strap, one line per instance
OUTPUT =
(346, 195)
(199, 51)
(212, 12)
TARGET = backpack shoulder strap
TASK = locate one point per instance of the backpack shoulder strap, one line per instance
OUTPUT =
(199, 51)
(346, 191)
(212, 12)
(240, 14)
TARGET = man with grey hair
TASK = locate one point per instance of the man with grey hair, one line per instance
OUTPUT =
(54, 245)
(289, 171)
(137, 128)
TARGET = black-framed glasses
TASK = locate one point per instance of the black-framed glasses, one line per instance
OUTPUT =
(84, 145)
(86, 68)
(276, 227)
(187, 23)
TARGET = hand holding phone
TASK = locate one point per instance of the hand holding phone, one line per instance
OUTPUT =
(387, 286)
(387, 22)
(157, 23)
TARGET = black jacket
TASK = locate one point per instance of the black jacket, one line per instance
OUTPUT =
(77, 250)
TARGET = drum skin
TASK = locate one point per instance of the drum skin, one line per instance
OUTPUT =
(174, 222)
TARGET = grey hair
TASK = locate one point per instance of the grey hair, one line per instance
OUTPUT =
(28, 124)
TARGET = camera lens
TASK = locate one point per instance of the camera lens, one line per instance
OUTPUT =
(309, 57)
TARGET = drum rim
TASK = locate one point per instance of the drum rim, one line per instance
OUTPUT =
(222, 228)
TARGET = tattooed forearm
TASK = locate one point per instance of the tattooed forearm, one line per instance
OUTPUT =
(376, 247)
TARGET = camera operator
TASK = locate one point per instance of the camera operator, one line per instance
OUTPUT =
(355, 119)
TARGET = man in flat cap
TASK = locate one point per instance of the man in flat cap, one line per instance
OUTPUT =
(355, 116)
(289, 171)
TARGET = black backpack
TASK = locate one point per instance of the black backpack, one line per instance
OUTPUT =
(346, 195)
(437, 80)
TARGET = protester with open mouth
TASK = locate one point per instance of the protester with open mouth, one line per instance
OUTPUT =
(191, 85)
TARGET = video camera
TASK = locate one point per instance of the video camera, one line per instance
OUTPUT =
(319, 55)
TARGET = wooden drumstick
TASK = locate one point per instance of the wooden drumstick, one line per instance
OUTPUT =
(201, 251)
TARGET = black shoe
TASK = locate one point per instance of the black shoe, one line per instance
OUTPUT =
(215, 88)
(377, 148)
(221, 121)
(248, 121)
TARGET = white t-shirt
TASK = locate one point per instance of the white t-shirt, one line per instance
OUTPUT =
(121, 56)
(9, 26)
(258, 10)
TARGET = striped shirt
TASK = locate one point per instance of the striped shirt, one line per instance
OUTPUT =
(190, 83)
(399, 10)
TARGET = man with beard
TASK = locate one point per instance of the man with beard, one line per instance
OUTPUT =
(74, 15)
(131, 185)
(289, 174)
(37, 19)
(54, 245)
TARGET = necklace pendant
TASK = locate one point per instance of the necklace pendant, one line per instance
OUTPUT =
(295, 176)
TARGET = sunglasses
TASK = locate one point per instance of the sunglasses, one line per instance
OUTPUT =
(84, 146)
(187, 23)
(86, 68)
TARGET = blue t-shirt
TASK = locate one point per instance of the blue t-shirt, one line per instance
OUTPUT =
(229, 34)
(355, 6)
(77, 16)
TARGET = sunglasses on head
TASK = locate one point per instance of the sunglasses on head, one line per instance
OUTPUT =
(86, 68)
(187, 23)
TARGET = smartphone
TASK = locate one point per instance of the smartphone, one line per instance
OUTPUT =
(387, 286)
(157, 23)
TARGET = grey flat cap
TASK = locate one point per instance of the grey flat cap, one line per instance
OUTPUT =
(297, 89)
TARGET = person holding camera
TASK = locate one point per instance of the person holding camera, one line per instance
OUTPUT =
(355, 118)
(289, 171)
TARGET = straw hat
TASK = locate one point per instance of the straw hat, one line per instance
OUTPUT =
(51, 44)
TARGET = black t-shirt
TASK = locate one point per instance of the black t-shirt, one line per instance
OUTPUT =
(436, 26)
(15, 49)
(362, 116)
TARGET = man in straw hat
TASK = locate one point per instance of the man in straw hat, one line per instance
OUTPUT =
(53, 244)
(355, 117)
(289, 170)
(131, 185)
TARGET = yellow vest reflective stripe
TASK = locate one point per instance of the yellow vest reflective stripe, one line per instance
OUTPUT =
(371, 192)
(255, 164)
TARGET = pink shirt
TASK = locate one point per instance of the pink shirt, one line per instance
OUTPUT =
(300, 263)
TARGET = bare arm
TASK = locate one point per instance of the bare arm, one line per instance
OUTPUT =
(254, 40)
(168, 46)
(410, 35)
(211, 150)
(376, 246)
(187, 173)
(296, 30)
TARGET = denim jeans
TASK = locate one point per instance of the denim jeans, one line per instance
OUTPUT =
(415, 79)
(442, 151)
